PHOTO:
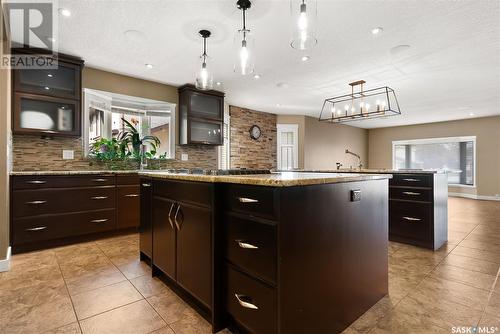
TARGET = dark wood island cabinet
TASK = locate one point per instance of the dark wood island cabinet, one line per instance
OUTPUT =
(271, 259)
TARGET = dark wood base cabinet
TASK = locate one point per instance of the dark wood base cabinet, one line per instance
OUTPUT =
(418, 209)
(55, 210)
(304, 259)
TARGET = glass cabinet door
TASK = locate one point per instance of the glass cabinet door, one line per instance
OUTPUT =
(45, 115)
(206, 106)
(206, 132)
(63, 81)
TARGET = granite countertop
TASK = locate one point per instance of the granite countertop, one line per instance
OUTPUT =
(372, 170)
(283, 179)
(72, 172)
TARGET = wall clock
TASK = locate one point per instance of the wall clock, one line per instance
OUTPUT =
(255, 132)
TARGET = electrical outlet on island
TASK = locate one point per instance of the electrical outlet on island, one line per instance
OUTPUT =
(68, 154)
(184, 157)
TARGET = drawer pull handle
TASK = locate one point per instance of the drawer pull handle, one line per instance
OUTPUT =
(411, 219)
(146, 185)
(411, 193)
(99, 197)
(247, 200)
(131, 195)
(244, 303)
(35, 229)
(170, 216)
(246, 245)
(36, 202)
(99, 180)
(411, 180)
(36, 182)
(99, 221)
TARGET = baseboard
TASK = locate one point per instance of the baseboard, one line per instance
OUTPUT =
(472, 196)
(5, 264)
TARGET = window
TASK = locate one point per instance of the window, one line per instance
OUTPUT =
(287, 146)
(105, 113)
(455, 156)
(225, 149)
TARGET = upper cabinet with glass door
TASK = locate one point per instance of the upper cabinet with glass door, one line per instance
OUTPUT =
(201, 116)
(47, 101)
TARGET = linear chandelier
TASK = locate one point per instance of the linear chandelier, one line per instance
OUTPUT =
(359, 105)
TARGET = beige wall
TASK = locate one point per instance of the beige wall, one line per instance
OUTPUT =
(5, 91)
(326, 144)
(301, 122)
(486, 130)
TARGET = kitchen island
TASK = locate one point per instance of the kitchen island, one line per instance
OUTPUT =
(272, 253)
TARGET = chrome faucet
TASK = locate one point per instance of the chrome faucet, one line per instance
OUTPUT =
(360, 165)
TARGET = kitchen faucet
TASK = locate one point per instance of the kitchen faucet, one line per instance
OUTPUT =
(360, 165)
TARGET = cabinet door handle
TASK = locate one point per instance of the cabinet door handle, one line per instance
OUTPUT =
(412, 219)
(245, 245)
(411, 180)
(36, 202)
(146, 185)
(411, 193)
(35, 229)
(99, 221)
(99, 180)
(243, 303)
(98, 197)
(247, 200)
(131, 195)
(36, 182)
(170, 216)
(175, 217)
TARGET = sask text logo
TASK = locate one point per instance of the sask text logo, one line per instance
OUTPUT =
(31, 26)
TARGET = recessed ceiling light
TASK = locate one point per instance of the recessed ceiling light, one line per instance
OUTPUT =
(305, 58)
(47, 88)
(65, 12)
(218, 83)
(278, 105)
(149, 65)
(256, 76)
(471, 114)
(377, 30)
(50, 75)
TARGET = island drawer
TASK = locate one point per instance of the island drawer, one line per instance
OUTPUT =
(254, 200)
(58, 181)
(251, 246)
(184, 191)
(410, 219)
(411, 180)
(49, 201)
(411, 194)
(127, 179)
(251, 303)
(48, 227)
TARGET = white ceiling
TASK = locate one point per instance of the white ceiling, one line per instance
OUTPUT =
(452, 68)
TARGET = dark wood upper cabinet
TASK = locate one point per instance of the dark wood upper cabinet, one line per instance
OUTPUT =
(201, 116)
(47, 101)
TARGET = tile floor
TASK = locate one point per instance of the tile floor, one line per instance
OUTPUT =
(102, 287)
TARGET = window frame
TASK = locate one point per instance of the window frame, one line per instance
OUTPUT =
(441, 140)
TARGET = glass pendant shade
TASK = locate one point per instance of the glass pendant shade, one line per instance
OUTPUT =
(304, 17)
(244, 52)
(204, 77)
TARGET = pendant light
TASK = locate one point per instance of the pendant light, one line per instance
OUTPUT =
(304, 17)
(244, 44)
(204, 78)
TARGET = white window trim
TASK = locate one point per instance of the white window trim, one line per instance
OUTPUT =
(227, 120)
(438, 141)
(288, 128)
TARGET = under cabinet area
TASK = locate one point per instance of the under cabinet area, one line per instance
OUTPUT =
(56, 209)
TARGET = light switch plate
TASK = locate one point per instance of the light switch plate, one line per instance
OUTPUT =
(184, 157)
(68, 154)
